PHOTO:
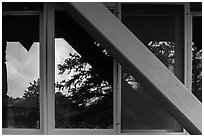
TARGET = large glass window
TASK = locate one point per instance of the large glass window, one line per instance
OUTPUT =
(20, 71)
(71, 92)
(159, 28)
(83, 78)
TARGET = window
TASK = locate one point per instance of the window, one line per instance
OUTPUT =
(83, 78)
(57, 79)
(21, 72)
(159, 28)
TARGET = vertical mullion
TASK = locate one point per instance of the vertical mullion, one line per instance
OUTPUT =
(119, 98)
(188, 47)
(50, 68)
(118, 12)
(43, 91)
(115, 97)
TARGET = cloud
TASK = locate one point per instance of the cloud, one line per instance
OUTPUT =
(18, 84)
(22, 67)
(31, 63)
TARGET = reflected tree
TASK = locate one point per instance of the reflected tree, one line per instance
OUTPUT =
(32, 92)
(85, 87)
(88, 94)
(24, 111)
(27, 108)
(197, 72)
(164, 51)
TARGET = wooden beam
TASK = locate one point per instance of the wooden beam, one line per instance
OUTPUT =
(133, 55)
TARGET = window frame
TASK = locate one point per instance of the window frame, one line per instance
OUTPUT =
(187, 71)
(51, 8)
(188, 43)
(42, 52)
(190, 27)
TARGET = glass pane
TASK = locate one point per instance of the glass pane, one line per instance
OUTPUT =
(83, 78)
(158, 34)
(140, 110)
(20, 72)
(197, 57)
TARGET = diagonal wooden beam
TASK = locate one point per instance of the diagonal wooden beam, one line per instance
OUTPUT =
(136, 58)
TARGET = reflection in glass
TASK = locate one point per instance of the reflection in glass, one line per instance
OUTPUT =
(23, 86)
(20, 71)
(197, 57)
(140, 111)
(83, 78)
